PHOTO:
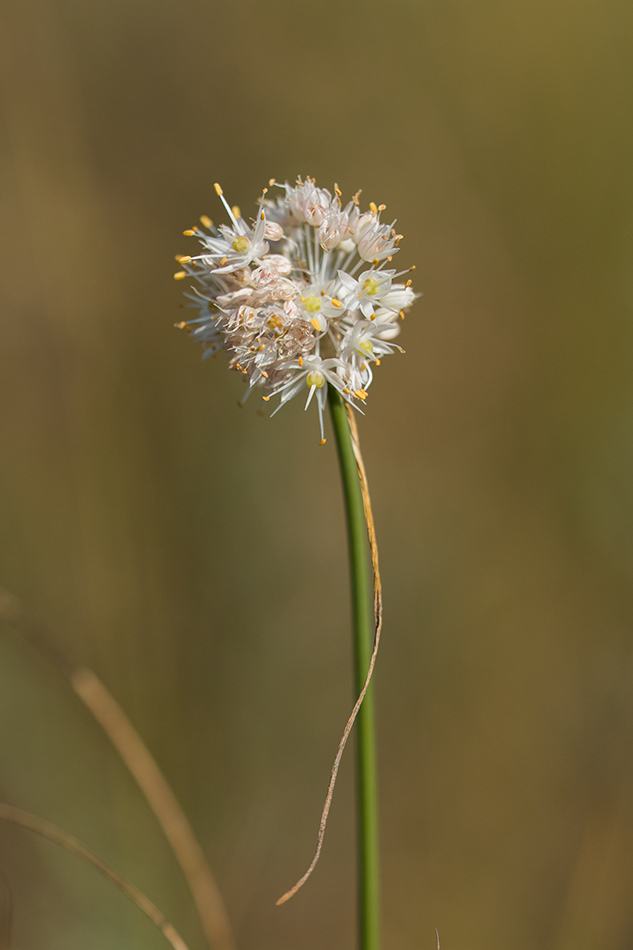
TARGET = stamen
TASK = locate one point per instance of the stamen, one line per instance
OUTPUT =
(206, 220)
(180, 275)
(189, 233)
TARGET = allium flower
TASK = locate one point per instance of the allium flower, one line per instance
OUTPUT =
(310, 311)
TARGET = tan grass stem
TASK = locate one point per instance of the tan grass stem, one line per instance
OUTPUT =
(43, 828)
(145, 771)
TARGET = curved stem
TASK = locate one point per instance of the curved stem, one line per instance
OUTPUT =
(364, 630)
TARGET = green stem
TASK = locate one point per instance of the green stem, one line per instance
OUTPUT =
(363, 626)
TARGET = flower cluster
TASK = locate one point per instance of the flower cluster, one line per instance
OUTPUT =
(302, 297)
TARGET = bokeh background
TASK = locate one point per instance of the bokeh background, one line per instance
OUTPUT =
(193, 553)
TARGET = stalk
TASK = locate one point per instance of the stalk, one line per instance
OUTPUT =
(364, 632)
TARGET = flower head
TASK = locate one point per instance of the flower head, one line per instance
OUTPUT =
(318, 309)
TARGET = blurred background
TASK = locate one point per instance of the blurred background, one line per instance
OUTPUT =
(193, 553)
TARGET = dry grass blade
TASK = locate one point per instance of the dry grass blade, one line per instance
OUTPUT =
(143, 767)
(22, 818)
(373, 548)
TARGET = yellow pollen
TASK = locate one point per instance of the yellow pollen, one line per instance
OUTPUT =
(402, 314)
(218, 189)
(377, 362)
(264, 373)
(336, 303)
(223, 261)
(241, 244)
(236, 211)
(180, 275)
(266, 398)
(312, 304)
(302, 299)
(373, 208)
(183, 258)
(348, 391)
(323, 441)
(189, 233)
(370, 287)
(206, 220)
(408, 283)
(315, 323)
(301, 361)
(316, 379)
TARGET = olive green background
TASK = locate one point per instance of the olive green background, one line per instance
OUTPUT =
(193, 553)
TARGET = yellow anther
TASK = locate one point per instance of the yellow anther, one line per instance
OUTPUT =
(262, 216)
(180, 275)
(412, 267)
(389, 257)
(348, 391)
(336, 303)
(337, 190)
(218, 189)
(302, 299)
(315, 323)
(183, 258)
(356, 196)
(402, 314)
(373, 208)
(181, 325)
(189, 233)
(236, 211)
(316, 379)
(375, 261)
(223, 261)
(408, 283)
(323, 441)
(381, 207)
(266, 398)
(301, 361)
(264, 373)
(206, 220)
(370, 287)
(312, 304)
(241, 244)
(271, 182)
(377, 362)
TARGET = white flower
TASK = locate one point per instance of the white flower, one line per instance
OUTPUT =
(310, 315)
